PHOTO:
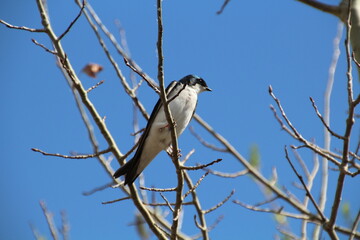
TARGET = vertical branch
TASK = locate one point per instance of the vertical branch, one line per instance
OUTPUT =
(200, 212)
(349, 124)
(175, 158)
(327, 135)
(50, 221)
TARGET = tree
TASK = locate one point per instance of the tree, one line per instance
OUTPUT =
(281, 201)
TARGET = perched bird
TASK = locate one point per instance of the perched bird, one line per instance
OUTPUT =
(182, 97)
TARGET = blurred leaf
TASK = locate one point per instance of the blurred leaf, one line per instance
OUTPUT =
(280, 219)
(255, 156)
(141, 227)
(345, 210)
(92, 69)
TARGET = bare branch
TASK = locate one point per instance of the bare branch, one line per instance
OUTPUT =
(141, 74)
(50, 221)
(295, 134)
(126, 86)
(161, 229)
(278, 211)
(116, 200)
(334, 10)
(288, 234)
(97, 189)
(217, 221)
(266, 201)
(73, 22)
(72, 157)
(198, 225)
(220, 203)
(196, 202)
(253, 171)
(95, 86)
(195, 186)
(21, 27)
(223, 7)
(187, 157)
(327, 137)
(228, 175)
(305, 187)
(159, 189)
(203, 142)
(323, 121)
(354, 226)
(65, 226)
(197, 167)
(45, 48)
(130, 151)
(349, 125)
(167, 202)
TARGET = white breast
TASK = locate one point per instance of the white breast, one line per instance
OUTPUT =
(159, 137)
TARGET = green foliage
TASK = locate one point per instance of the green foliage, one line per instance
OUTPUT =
(255, 159)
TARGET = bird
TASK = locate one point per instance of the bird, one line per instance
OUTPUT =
(182, 97)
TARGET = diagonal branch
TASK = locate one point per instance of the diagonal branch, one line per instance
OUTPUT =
(72, 157)
(323, 120)
(22, 27)
(323, 218)
(72, 22)
(220, 203)
(334, 10)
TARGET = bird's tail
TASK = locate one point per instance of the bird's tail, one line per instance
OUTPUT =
(129, 170)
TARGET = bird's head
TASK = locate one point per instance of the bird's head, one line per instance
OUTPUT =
(195, 82)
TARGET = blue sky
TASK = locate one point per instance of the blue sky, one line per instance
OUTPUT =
(240, 53)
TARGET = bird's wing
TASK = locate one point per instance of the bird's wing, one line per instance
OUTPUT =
(172, 86)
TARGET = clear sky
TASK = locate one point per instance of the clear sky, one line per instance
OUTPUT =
(252, 45)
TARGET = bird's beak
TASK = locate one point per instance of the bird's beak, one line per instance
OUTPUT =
(208, 89)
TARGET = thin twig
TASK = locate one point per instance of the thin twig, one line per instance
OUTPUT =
(253, 171)
(131, 150)
(65, 226)
(198, 225)
(95, 86)
(45, 48)
(305, 187)
(159, 189)
(354, 226)
(73, 22)
(323, 121)
(228, 175)
(266, 201)
(72, 157)
(123, 81)
(220, 203)
(276, 211)
(197, 167)
(197, 204)
(223, 7)
(195, 186)
(167, 202)
(50, 220)
(97, 189)
(295, 134)
(22, 27)
(206, 144)
(187, 157)
(116, 200)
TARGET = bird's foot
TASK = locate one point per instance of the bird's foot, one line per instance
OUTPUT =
(171, 152)
(167, 126)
